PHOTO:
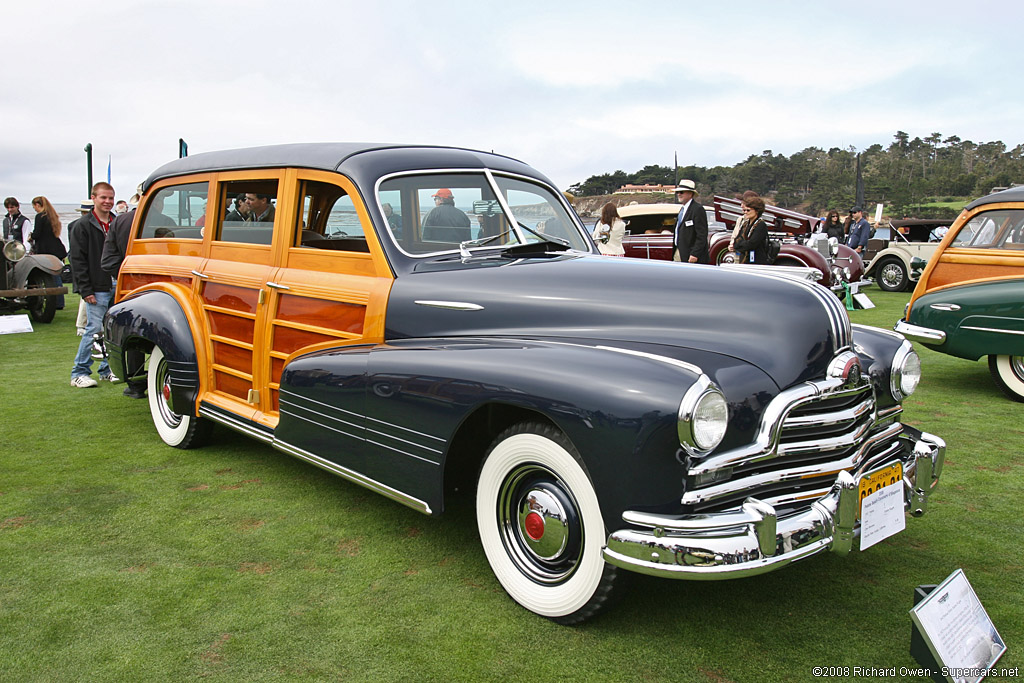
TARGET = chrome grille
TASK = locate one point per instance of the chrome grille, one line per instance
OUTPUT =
(808, 435)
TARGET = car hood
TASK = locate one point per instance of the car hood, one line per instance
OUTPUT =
(788, 328)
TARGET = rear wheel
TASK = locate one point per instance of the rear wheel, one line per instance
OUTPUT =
(892, 274)
(540, 524)
(180, 431)
(1008, 372)
(41, 308)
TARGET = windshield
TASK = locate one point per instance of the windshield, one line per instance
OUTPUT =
(431, 213)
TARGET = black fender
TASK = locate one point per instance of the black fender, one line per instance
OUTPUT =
(401, 406)
(876, 349)
(154, 318)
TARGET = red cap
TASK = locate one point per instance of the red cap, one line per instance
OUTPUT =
(443, 193)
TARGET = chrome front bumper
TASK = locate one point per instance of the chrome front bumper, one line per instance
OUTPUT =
(922, 335)
(753, 540)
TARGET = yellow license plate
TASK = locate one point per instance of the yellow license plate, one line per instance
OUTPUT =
(874, 481)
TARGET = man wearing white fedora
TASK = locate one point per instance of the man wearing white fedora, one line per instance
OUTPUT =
(691, 233)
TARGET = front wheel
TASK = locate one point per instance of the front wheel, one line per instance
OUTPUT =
(41, 308)
(1008, 372)
(180, 431)
(541, 526)
(892, 275)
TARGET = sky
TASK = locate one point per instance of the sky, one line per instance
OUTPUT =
(574, 89)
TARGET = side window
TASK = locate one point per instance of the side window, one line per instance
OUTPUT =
(1002, 229)
(176, 212)
(534, 207)
(250, 211)
(328, 219)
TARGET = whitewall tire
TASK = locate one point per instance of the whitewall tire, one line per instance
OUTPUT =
(180, 431)
(1008, 372)
(541, 526)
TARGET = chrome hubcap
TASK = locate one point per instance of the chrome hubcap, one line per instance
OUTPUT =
(170, 418)
(539, 524)
(892, 275)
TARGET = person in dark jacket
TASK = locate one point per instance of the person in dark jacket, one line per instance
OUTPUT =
(115, 246)
(46, 237)
(752, 244)
(94, 285)
(691, 233)
(833, 227)
(15, 224)
(242, 213)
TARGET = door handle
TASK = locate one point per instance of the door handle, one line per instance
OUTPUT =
(200, 275)
(274, 285)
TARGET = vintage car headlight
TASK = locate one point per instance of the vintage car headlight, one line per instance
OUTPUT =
(14, 251)
(833, 246)
(906, 372)
(703, 417)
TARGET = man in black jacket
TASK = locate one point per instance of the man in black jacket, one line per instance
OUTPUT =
(91, 282)
(14, 221)
(114, 249)
(691, 233)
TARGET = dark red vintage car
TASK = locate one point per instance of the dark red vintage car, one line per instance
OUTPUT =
(649, 235)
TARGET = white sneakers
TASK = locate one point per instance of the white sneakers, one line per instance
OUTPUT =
(83, 382)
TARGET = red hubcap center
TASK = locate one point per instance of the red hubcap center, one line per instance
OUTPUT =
(534, 525)
(167, 392)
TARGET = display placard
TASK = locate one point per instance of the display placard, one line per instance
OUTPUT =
(13, 324)
(958, 631)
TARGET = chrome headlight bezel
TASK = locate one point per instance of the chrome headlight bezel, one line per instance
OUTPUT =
(14, 251)
(703, 417)
(905, 373)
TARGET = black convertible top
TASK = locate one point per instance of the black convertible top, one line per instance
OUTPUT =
(1014, 194)
(344, 157)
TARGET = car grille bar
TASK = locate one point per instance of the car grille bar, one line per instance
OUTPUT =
(808, 434)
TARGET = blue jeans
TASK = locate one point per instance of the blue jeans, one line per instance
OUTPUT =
(95, 312)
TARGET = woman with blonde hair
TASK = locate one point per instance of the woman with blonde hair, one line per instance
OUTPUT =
(46, 236)
(609, 231)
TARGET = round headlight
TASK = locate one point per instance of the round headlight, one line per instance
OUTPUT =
(703, 417)
(906, 372)
(14, 251)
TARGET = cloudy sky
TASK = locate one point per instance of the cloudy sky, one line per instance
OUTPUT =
(572, 88)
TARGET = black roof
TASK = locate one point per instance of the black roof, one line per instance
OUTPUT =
(1014, 194)
(350, 158)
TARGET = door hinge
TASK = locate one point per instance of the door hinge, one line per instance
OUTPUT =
(263, 295)
(254, 396)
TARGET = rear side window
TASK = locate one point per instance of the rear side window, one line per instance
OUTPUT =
(177, 212)
(1003, 229)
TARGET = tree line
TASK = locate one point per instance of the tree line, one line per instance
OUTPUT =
(903, 176)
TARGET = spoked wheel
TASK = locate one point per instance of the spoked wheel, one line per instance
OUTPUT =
(892, 275)
(540, 524)
(1008, 372)
(180, 431)
(41, 308)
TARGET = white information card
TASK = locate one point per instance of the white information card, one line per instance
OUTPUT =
(881, 515)
(13, 324)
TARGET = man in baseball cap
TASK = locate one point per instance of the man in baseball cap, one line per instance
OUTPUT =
(445, 222)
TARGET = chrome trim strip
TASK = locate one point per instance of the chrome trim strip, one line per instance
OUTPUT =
(655, 357)
(236, 423)
(325, 426)
(285, 391)
(372, 484)
(829, 419)
(451, 305)
(945, 307)
(990, 329)
(920, 334)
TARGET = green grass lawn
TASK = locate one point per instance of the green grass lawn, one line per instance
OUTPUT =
(124, 559)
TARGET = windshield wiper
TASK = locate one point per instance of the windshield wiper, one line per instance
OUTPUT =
(547, 238)
(524, 246)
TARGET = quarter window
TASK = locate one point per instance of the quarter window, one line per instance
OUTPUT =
(328, 219)
(177, 212)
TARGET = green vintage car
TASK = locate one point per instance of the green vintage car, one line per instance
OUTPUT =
(969, 301)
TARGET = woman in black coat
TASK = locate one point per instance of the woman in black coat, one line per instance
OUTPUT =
(752, 243)
(46, 236)
(833, 227)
